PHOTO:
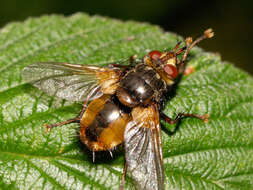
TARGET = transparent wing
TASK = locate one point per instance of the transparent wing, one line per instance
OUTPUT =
(71, 81)
(143, 150)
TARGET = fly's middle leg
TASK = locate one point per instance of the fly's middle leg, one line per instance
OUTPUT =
(180, 116)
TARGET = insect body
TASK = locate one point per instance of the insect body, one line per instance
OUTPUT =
(103, 124)
(140, 86)
(121, 105)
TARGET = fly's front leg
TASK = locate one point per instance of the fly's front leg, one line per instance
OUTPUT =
(133, 60)
(180, 116)
(113, 65)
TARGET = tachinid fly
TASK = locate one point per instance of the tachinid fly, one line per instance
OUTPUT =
(121, 105)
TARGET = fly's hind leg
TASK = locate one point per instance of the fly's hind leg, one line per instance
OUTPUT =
(50, 126)
(93, 92)
(76, 119)
(180, 116)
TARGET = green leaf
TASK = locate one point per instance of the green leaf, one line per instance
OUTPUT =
(215, 155)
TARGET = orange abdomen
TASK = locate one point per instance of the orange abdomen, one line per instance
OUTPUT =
(103, 124)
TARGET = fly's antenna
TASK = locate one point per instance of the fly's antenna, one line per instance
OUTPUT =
(207, 34)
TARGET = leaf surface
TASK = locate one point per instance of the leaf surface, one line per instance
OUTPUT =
(215, 155)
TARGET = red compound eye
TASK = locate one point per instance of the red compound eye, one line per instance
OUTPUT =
(154, 55)
(171, 71)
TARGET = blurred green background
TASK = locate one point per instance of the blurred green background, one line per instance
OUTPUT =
(231, 20)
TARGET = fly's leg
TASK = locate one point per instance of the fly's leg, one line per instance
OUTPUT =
(92, 92)
(73, 120)
(123, 177)
(132, 60)
(50, 126)
(113, 65)
(119, 65)
(180, 116)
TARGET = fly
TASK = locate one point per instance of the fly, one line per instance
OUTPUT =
(122, 104)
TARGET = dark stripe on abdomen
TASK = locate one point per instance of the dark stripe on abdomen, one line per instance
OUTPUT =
(104, 117)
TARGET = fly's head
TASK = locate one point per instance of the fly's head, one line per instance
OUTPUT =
(167, 64)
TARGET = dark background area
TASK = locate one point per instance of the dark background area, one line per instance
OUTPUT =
(232, 21)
